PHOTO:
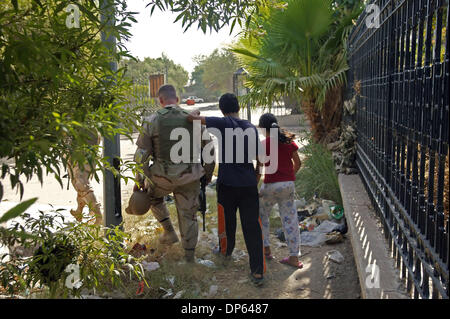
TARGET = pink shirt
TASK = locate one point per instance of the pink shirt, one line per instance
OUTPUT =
(285, 169)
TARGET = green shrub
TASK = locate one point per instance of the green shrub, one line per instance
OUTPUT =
(66, 259)
(317, 175)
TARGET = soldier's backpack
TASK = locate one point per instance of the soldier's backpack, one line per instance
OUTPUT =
(169, 119)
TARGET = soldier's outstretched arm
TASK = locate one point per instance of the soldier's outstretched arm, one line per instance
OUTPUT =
(195, 116)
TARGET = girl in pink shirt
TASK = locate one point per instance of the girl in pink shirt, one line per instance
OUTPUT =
(279, 188)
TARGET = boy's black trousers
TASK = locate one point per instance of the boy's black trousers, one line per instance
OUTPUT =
(246, 199)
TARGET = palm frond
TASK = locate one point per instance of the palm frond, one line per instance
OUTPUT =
(302, 48)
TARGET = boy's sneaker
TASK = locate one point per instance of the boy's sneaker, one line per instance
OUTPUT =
(258, 282)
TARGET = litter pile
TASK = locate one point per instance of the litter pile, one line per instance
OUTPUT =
(322, 221)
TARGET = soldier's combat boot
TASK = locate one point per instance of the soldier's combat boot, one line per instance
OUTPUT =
(189, 255)
(169, 236)
(77, 214)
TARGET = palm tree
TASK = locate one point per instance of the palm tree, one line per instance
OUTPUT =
(300, 56)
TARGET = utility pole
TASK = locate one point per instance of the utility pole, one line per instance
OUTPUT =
(112, 203)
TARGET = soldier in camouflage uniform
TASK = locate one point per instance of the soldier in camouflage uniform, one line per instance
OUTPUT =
(164, 176)
(80, 178)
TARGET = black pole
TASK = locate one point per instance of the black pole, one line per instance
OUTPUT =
(111, 185)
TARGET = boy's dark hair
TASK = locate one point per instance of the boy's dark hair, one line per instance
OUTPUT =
(268, 121)
(228, 103)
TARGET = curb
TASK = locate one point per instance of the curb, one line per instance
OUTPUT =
(378, 277)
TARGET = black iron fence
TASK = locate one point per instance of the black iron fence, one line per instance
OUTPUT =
(399, 72)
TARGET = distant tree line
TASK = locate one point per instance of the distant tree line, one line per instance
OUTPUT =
(213, 75)
(138, 71)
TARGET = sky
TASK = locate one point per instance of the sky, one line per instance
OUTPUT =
(157, 34)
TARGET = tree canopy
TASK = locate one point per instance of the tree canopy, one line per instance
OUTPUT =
(299, 53)
(213, 74)
(56, 85)
(138, 71)
(213, 14)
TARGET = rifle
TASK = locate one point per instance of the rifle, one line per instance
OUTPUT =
(202, 199)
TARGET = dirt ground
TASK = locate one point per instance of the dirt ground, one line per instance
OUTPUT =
(320, 277)
(308, 283)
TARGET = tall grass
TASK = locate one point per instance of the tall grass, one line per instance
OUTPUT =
(318, 175)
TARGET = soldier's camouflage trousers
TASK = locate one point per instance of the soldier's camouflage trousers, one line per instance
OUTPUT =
(186, 201)
(85, 194)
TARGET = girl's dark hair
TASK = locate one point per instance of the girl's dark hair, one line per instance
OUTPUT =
(268, 121)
